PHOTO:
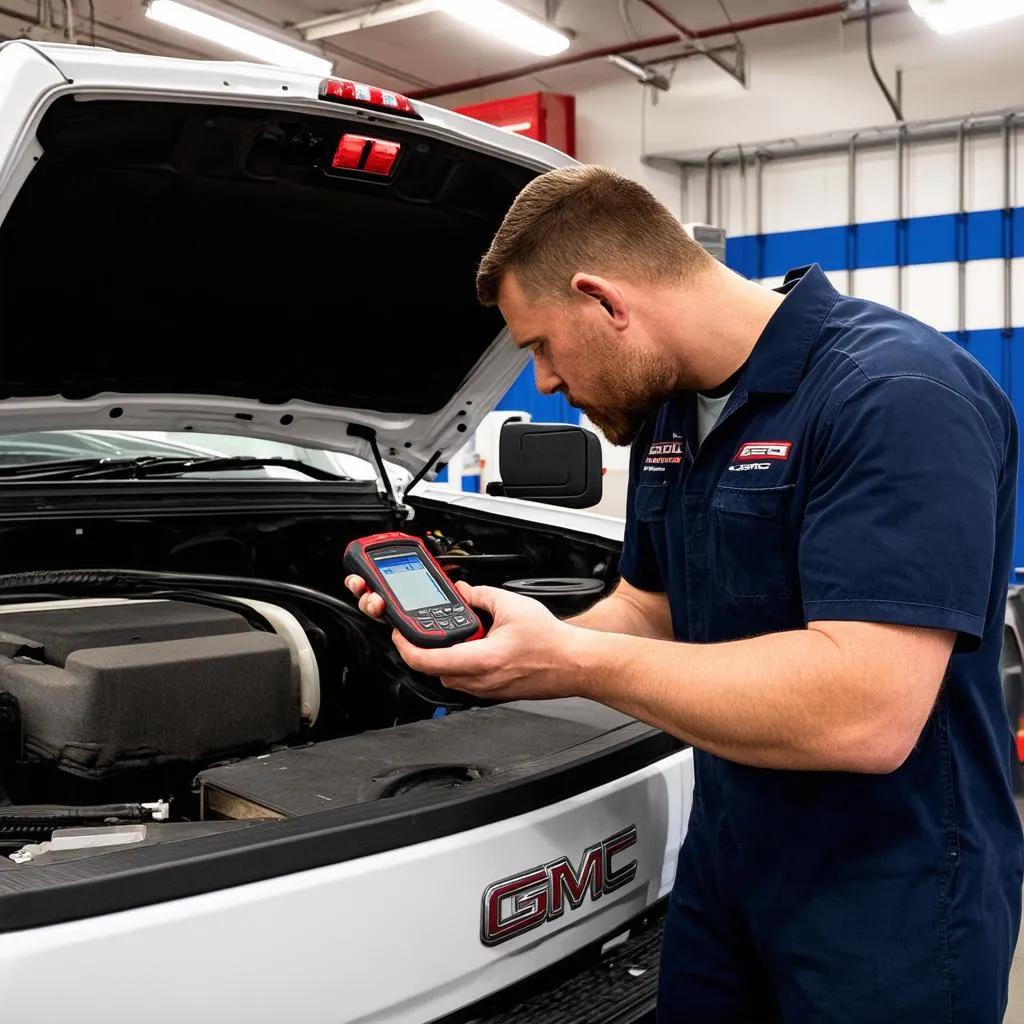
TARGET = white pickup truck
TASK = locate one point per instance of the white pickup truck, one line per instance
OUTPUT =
(222, 795)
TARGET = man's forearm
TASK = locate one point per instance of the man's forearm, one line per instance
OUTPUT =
(787, 700)
(617, 614)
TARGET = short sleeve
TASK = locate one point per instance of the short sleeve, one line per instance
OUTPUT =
(901, 518)
(638, 563)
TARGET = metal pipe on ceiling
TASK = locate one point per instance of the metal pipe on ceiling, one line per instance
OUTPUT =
(936, 130)
(539, 66)
(852, 248)
(901, 214)
(690, 51)
(762, 21)
(769, 20)
(961, 227)
(782, 18)
(671, 19)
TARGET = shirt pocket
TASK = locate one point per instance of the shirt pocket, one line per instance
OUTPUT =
(752, 550)
(650, 502)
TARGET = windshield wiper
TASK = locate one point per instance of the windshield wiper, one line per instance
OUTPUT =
(155, 466)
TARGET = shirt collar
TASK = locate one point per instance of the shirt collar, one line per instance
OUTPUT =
(779, 359)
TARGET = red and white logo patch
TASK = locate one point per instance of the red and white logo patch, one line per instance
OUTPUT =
(763, 450)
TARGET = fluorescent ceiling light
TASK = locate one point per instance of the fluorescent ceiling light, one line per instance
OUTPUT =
(948, 16)
(499, 19)
(383, 13)
(235, 37)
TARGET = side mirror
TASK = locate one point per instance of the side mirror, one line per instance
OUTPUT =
(554, 463)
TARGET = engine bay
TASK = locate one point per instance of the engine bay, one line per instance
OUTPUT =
(220, 672)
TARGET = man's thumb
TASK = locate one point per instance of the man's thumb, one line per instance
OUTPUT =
(484, 598)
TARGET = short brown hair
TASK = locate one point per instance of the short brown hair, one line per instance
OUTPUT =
(589, 219)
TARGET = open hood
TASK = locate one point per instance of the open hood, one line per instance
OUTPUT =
(189, 265)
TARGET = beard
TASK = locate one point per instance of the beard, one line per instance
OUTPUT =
(628, 390)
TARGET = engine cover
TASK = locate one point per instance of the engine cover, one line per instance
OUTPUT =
(111, 686)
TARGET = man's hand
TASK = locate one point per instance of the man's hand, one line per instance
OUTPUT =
(526, 655)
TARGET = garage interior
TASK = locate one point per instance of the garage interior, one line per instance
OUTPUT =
(881, 139)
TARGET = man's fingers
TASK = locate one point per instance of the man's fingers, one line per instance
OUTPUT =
(459, 660)
(369, 603)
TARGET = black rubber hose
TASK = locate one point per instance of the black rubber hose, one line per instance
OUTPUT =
(868, 14)
(55, 814)
(91, 579)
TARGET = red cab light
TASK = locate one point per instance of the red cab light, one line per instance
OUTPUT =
(343, 90)
(349, 154)
(382, 157)
(372, 156)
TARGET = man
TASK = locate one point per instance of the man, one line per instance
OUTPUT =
(818, 539)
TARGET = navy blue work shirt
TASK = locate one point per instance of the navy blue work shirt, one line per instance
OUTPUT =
(864, 468)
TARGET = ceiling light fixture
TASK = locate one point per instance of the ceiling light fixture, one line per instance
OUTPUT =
(947, 16)
(232, 36)
(505, 22)
(385, 12)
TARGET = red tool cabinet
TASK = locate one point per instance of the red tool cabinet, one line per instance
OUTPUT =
(545, 116)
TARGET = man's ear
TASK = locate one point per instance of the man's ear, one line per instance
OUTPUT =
(606, 294)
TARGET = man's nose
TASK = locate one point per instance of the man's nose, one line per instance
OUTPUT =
(548, 382)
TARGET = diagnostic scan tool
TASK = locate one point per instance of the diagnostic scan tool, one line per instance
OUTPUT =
(419, 599)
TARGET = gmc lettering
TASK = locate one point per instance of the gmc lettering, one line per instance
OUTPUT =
(525, 901)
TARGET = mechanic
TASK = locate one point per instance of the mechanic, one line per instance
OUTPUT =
(818, 540)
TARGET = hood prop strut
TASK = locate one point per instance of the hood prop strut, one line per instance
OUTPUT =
(423, 472)
(370, 436)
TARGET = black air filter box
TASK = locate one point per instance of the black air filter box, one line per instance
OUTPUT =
(108, 687)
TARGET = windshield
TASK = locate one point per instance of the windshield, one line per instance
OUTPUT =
(56, 446)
